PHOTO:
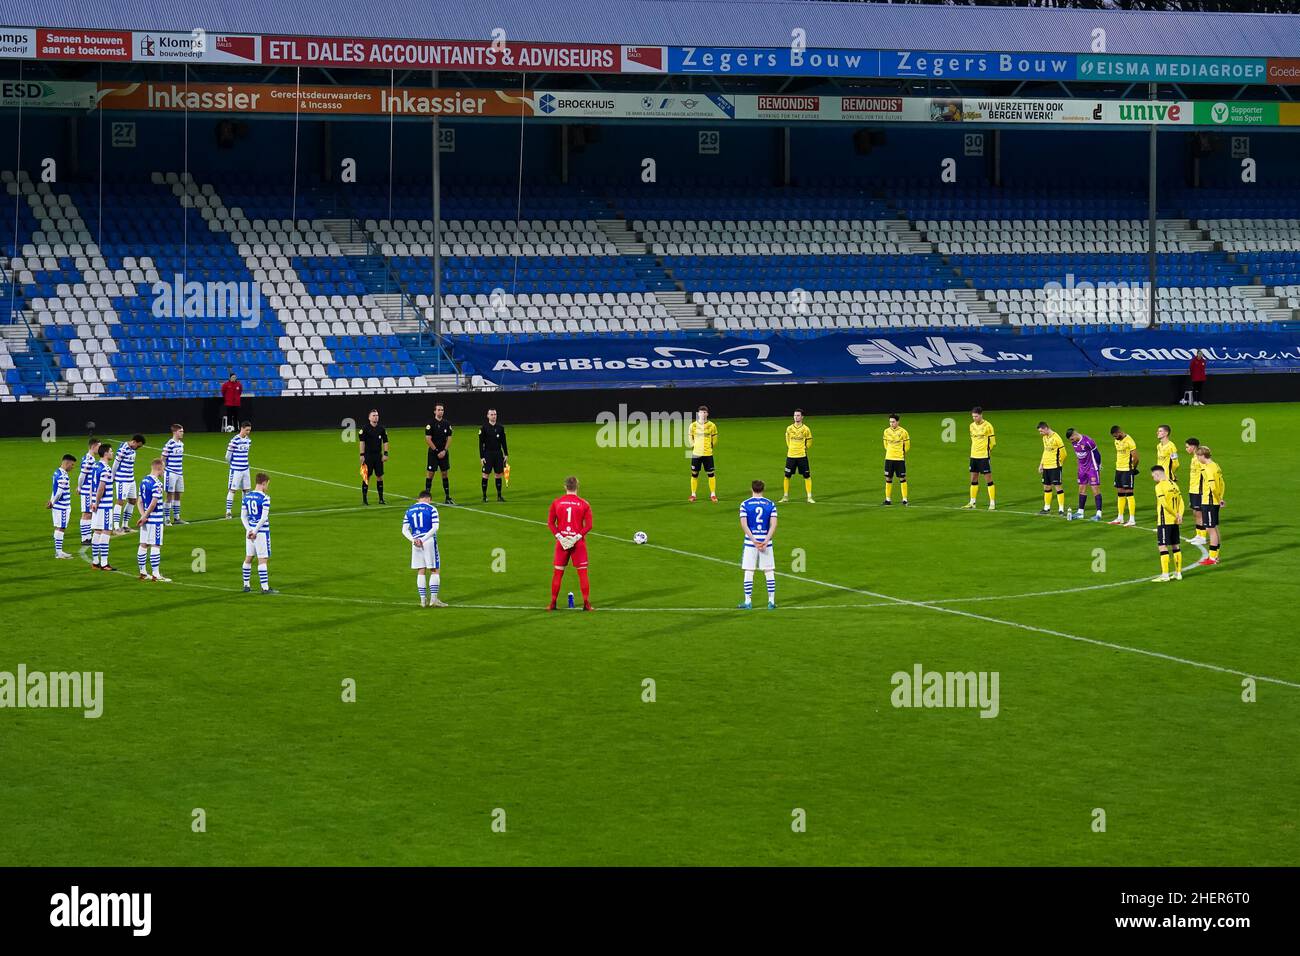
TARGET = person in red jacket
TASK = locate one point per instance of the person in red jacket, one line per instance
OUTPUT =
(231, 392)
(570, 521)
(1197, 370)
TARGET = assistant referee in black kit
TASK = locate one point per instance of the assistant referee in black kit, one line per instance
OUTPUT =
(437, 436)
(492, 451)
(373, 446)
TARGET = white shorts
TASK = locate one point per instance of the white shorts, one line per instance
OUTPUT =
(151, 535)
(174, 484)
(424, 554)
(102, 520)
(754, 560)
(259, 547)
(61, 517)
(239, 481)
(85, 504)
(125, 490)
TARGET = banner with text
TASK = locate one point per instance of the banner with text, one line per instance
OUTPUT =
(1136, 353)
(838, 356)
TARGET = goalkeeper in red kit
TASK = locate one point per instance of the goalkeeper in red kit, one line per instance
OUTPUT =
(569, 521)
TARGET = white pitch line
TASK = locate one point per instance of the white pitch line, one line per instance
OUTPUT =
(888, 598)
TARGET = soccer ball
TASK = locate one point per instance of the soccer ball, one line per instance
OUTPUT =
(640, 537)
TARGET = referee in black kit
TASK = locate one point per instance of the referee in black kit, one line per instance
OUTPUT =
(373, 446)
(492, 451)
(437, 435)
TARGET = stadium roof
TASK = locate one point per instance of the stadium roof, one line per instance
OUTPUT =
(730, 23)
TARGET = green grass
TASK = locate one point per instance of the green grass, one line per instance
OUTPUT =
(231, 703)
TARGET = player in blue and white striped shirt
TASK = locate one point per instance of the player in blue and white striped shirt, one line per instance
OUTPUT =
(173, 456)
(255, 513)
(85, 486)
(153, 516)
(125, 491)
(237, 456)
(758, 522)
(60, 502)
(101, 507)
(420, 527)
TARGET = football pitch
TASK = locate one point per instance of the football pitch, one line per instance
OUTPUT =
(1121, 736)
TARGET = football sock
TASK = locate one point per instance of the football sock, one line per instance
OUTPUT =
(264, 575)
(904, 483)
(380, 485)
(1120, 505)
(155, 560)
(97, 549)
(1097, 500)
(248, 574)
(428, 484)
(58, 542)
(484, 487)
(713, 485)
(771, 586)
(127, 511)
(419, 583)
(992, 495)
(1178, 561)
(749, 586)
(1214, 552)
(889, 490)
(446, 486)
(557, 578)
(498, 481)
(1060, 500)
(1047, 500)
(434, 583)
(1164, 563)
(117, 516)
(785, 485)
(974, 492)
(1132, 507)
(1083, 499)
(695, 484)
(230, 502)
(584, 584)
(365, 491)
(85, 530)
(140, 557)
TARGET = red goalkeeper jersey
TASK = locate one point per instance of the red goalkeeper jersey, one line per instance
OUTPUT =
(569, 515)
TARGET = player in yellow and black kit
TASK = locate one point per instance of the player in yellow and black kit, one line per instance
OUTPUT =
(798, 439)
(897, 444)
(1049, 466)
(1126, 462)
(1192, 446)
(1169, 515)
(703, 436)
(982, 441)
(1167, 453)
(1211, 486)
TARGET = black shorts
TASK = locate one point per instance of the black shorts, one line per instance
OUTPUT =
(439, 464)
(702, 461)
(1124, 480)
(1051, 476)
(494, 465)
(895, 469)
(375, 466)
(1210, 515)
(980, 466)
(1194, 499)
(798, 464)
(1167, 535)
